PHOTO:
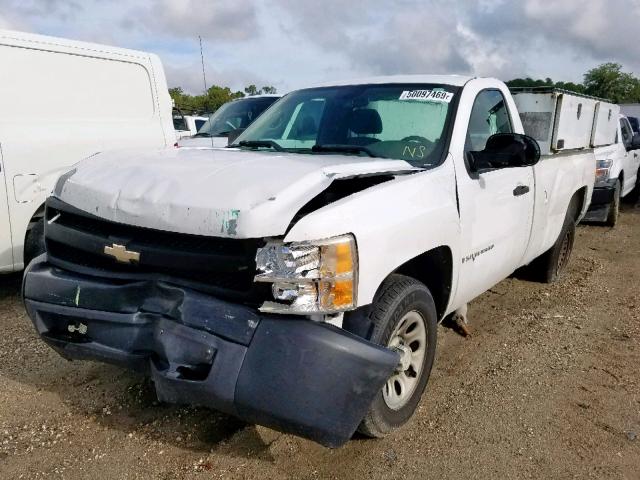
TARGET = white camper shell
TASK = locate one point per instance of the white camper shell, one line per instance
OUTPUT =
(561, 120)
(62, 101)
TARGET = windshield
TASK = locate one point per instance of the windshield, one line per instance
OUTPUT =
(407, 122)
(235, 114)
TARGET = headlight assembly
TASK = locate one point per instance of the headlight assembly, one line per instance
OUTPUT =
(603, 168)
(309, 277)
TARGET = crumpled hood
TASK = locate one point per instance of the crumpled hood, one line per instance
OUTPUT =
(222, 193)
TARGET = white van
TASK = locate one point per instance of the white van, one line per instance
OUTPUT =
(60, 102)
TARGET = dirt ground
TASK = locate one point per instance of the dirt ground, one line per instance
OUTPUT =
(548, 386)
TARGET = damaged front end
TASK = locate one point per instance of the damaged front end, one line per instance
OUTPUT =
(186, 311)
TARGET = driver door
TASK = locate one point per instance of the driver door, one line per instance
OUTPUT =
(6, 255)
(496, 205)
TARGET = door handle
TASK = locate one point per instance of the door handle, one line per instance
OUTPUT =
(520, 190)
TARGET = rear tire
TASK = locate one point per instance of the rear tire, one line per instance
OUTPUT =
(404, 317)
(34, 242)
(614, 208)
(550, 266)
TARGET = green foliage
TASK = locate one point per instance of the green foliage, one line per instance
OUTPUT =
(609, 81)
(547, 82)
(604, 81)
(216, 96)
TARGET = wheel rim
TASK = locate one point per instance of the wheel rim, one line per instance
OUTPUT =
(410, 340)
(565, 252)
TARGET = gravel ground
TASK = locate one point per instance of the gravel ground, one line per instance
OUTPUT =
(548, 386)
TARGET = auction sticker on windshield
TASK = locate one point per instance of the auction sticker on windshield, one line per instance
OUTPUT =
(427, 95)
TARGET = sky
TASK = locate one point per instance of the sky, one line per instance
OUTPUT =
(296, 43)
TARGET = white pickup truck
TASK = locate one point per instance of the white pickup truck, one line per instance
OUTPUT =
(617, 174)
(297, 278)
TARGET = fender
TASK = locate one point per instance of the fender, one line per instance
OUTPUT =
(388, 237)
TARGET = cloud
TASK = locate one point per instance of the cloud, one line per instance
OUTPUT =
(489, 37)
(213, 20)
(293, 43)
(189, 77)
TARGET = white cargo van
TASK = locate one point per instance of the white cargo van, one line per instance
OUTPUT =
(60, 102)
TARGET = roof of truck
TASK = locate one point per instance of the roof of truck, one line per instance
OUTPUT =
(455, 80)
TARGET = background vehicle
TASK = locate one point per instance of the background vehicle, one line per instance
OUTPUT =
(233, 115)
(187, 125)
(297, 279)
(635, 124)
(631, 110)
(88, 98)
(617, 174)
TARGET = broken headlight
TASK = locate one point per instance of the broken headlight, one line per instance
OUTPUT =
(309, 277)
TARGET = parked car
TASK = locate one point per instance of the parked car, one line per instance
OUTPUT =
(296, 279)
(617, 174)
(233, 115)
(186, 125)
(62, 101)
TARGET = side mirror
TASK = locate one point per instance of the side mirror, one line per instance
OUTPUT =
(506, 150)
(233, 134)
(635, 142)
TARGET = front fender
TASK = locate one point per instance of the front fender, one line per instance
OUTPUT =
(392, 222)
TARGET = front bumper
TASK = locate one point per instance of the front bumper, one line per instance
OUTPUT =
(601, 200)
(297, 376)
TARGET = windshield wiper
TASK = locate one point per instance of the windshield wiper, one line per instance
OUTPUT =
(338, 148)
(261, 144)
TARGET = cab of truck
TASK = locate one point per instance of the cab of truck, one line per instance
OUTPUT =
(617, 174)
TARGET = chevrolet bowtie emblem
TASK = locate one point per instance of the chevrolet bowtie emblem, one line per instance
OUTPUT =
(121, 254)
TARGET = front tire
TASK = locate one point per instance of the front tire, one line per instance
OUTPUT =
(405, 319)
(34, 244)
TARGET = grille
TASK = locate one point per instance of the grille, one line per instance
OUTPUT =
(75, 240)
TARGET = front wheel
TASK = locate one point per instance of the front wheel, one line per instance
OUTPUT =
(34, 244)
(405, 320)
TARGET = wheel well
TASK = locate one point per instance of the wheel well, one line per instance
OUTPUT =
(35, 218)
(581, 198)
(435, 269)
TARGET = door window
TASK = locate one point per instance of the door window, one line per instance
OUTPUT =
(627, 133)
(489, 116)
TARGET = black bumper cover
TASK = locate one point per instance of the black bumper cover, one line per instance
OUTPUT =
(297, 376)
(601, 199)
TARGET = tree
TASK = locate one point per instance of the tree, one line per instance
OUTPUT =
(269, 90)
(610, 82)
(215, 97)
(547, 82)
(252, 90)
